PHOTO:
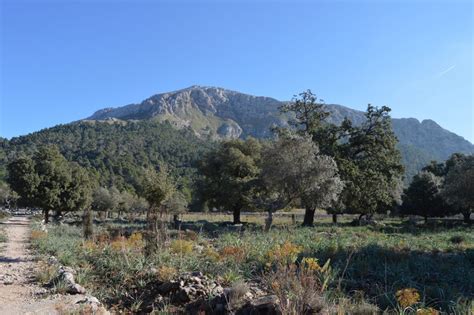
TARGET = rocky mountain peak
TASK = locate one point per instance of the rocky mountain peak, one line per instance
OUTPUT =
(216, 113)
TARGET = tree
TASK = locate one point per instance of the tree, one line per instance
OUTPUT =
(48, 181)
(42, 180)
(458, 188)
(138, 205)
(230, 173)
(23, 179)
(104, 200)
(370, 163)
(54, 174)
(309, 113)
(78, 196)
(176, 205)
(293, 170)
(7, 195)
(158, 188)
(423, 197)
(366, 156)
(125, 201)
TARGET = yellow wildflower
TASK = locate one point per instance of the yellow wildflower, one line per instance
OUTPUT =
(407, 297)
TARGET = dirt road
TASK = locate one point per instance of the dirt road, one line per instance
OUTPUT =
(18, 292)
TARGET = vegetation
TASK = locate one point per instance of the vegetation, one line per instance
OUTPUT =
(368, 266)
(230, 173)
(442, 189)
(294, 170)
(117, 152)
(49, 182)
(357, 266)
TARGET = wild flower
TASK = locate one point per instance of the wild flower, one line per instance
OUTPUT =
(233, 252)
(191, 235)
(90, 246)
(311, 264)
(135, 240)
(427, 311)
(38, 235)
(103, 238)
(285, 254)
(407, 297)
(181, 247)
(166, 273)
(117, 244)
(211, 254)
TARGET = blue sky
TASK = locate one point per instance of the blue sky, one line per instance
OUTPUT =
(62, 60)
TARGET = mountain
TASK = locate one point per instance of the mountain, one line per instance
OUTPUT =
(209, 111)
(219, 113)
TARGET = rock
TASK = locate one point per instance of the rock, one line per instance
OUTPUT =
(66, 275)
(265, 300)
(53, 261)
(92, 305)
(198, 248)
(263, 305)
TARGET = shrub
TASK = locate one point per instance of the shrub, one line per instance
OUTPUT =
(210, 254)
(284, 254)
(233, 252)
(427, 311)
(407, 297)
(44, 272)
(38, 235)
(457, 239)
(181, 247)
(298, 290)
(166, 273)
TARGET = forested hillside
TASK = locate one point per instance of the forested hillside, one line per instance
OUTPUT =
(118, 151)
(220, 113)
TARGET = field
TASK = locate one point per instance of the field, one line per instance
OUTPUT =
(359, 269)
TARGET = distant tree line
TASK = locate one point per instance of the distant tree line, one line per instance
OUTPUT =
(442, 189)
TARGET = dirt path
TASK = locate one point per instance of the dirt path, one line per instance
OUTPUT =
(18, 292)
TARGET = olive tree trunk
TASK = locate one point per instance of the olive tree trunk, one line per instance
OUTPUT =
(236, 214)
(309, 217)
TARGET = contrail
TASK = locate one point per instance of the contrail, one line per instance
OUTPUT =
(439, 75)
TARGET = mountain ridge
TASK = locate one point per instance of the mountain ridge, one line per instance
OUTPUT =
(220, 113)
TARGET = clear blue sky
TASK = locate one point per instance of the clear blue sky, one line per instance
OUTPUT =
(62, 60)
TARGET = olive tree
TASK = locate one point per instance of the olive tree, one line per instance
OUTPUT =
(294, 171)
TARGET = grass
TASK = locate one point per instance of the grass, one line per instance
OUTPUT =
(3, 236)
(368, 264)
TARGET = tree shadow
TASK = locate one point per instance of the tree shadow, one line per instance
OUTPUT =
(8, 260)
(378, 272)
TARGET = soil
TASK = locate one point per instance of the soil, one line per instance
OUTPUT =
(19, 294)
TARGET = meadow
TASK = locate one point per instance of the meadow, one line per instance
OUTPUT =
(395, 267)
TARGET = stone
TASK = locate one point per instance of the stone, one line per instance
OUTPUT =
(266, 304)
(53, 260)
(66, 275)
(93, 305)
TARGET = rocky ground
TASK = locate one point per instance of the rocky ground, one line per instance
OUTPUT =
(18, 292)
